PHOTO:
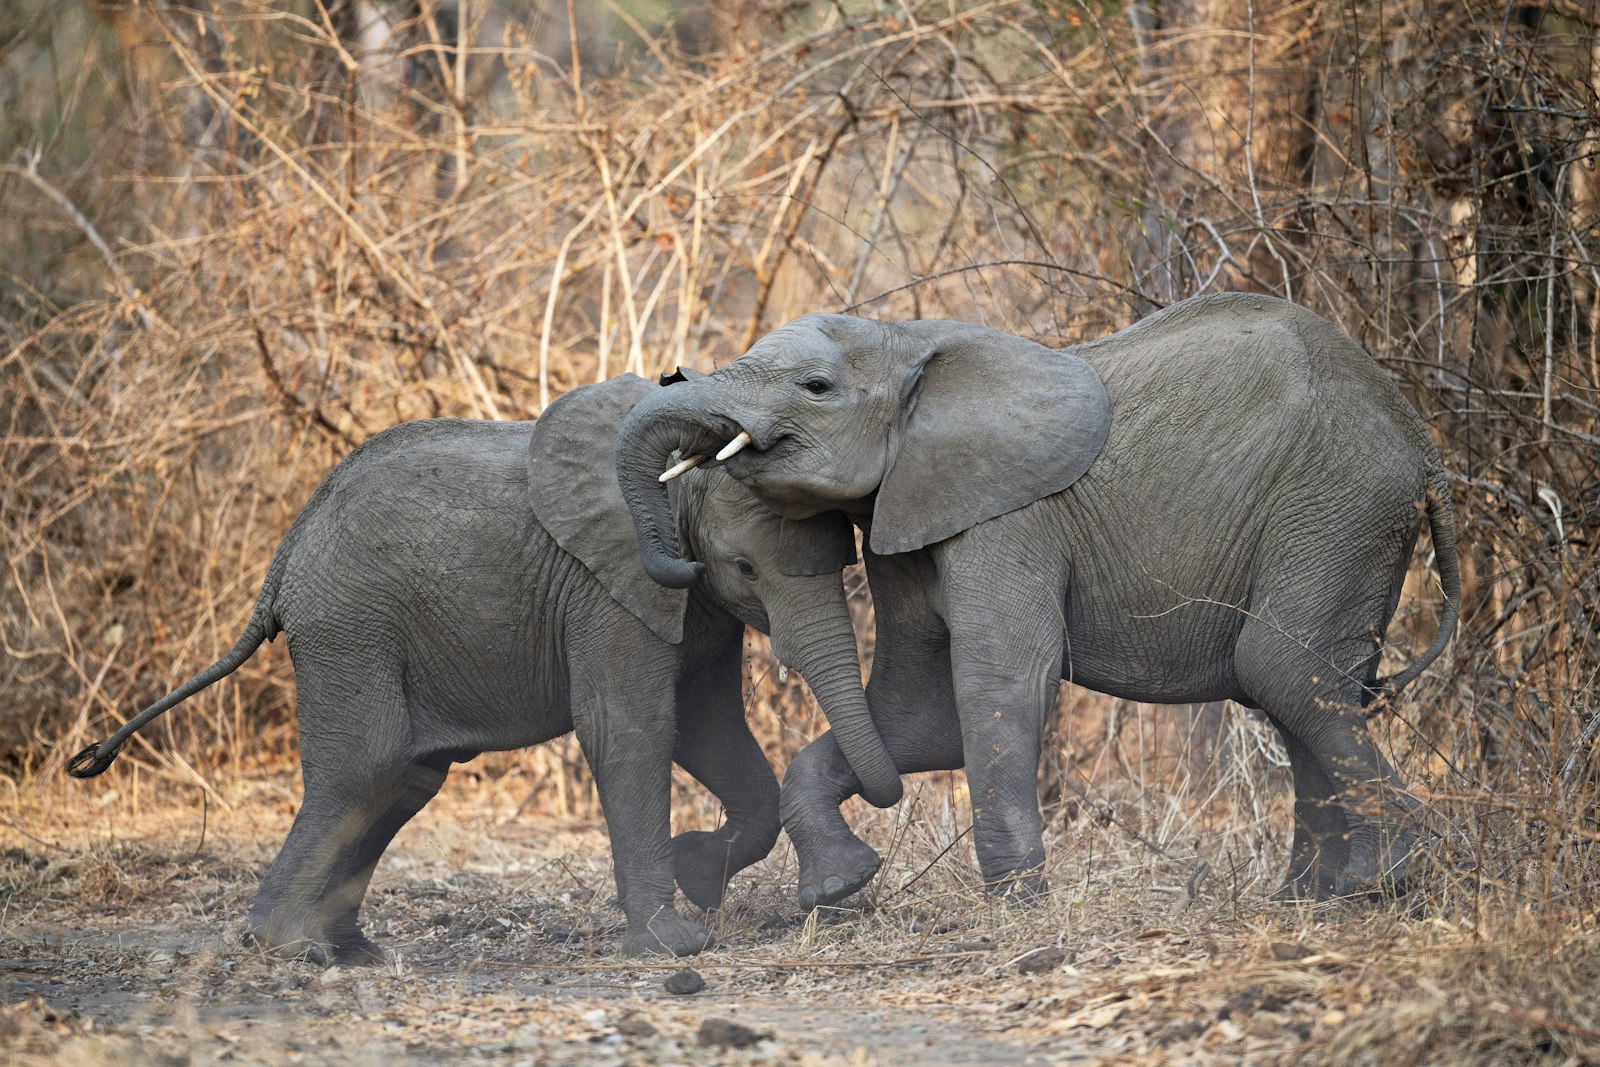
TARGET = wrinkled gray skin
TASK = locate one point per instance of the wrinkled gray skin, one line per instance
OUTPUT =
(1219, 502)
(432, 617)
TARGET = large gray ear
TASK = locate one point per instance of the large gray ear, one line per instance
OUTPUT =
(996, 423)
(572, 482)
(822, 544)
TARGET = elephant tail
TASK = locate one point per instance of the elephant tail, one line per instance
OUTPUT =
(1442, 528)
(263, 626)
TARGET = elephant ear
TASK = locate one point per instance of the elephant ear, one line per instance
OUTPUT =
(572, 483)
(995, 423)
(822, 544)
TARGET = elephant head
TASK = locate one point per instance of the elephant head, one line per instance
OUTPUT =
(929, 427)
(782, 576)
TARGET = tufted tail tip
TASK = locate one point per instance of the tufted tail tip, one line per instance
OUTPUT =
(91, 761)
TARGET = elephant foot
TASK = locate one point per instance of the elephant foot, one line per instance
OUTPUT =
(835, 871)
(1313, 872)
(1380, 851)
(701, 865)
(288, 939)
(666, 934)
(359, 951)
(1376, 868)
(1023, 889)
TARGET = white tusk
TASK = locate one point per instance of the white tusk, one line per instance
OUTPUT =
(735, 445)
(679, 467)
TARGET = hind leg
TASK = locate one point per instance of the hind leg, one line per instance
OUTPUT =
(352, 736)
(410, 791)
(1321, 848)
(1355, 825)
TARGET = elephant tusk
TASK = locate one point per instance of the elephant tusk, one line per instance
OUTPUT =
(735, 445)
(679, 467)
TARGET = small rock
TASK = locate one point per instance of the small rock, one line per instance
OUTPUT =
(633, 1024)
(1285, 951)
(684, 982)
(1042, 960)
(1186, 1030)
(727, 1034)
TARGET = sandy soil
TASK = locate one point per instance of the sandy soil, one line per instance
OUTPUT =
(120, 942)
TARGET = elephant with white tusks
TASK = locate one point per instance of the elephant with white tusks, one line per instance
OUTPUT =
(455, 587)
(1218, 502)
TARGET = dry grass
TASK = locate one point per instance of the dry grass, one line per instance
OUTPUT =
(503, 929)
(233, 255)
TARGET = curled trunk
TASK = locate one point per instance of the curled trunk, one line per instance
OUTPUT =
(671, 419)
(648, 437)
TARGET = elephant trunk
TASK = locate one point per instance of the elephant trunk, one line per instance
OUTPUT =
(811, 633)
(672, 419)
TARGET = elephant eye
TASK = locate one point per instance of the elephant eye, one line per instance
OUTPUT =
(816, 386)
(746, 570)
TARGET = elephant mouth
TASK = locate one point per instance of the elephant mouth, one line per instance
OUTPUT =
(738, 440)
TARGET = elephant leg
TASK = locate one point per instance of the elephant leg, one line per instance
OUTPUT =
(351, 737)
(622, 711)
(913, 704)
(1006, 645)
(1314, 688)
(347, 887)
(1321, 847)
(715, 745)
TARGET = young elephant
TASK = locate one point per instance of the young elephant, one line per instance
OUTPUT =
(456, 587)
(1218, 502)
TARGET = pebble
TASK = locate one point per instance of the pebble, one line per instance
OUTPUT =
(684, 982)
(634, 1024)
(728, 1034)
(1042, 960)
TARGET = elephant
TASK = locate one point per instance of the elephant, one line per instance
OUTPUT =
(1217, 502)
(458, 586)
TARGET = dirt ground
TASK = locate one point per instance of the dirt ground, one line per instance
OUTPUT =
(121, 921)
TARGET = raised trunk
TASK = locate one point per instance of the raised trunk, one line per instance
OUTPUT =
(812, 634)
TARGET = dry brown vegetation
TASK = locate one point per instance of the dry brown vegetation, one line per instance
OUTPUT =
(242, 236)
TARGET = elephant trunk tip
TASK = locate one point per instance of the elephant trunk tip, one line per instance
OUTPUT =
(92, 761)
(885, 794)
(672, 572)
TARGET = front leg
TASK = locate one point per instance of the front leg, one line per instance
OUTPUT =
(622, 711)
(715, 745)
(1006, 641)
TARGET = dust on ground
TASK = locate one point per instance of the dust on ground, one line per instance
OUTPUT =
(120, 942)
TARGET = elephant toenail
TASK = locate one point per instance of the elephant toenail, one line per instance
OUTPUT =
(808, 898)
(833, 885)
